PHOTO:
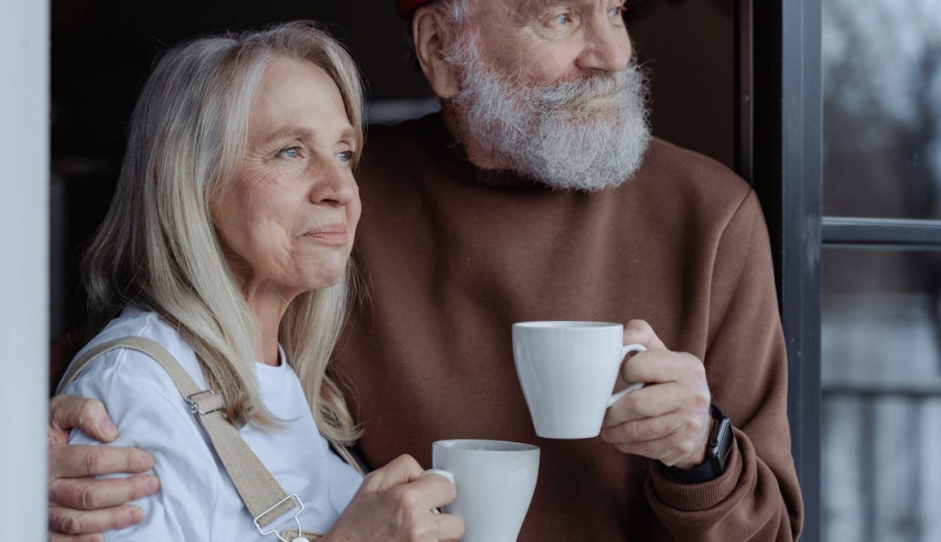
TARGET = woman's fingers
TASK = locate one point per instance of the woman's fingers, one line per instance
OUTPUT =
(395, 503)
(449, 527)
(399, 471)
(435, 491)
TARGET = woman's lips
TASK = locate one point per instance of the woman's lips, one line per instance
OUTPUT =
(334, 234)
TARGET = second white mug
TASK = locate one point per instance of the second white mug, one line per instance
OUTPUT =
(495, 481)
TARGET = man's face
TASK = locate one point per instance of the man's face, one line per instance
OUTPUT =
(547, 89)
(549, 41)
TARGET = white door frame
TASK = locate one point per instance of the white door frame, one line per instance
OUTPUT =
(24, 269)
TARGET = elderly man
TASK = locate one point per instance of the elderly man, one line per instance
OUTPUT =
(538, 193)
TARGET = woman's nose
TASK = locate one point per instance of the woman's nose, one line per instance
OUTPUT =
(336, 186)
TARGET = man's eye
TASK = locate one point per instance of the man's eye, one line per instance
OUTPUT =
(346, 156)
(558, 25)
(290, 152)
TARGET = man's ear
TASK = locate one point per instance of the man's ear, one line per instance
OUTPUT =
(431, 42)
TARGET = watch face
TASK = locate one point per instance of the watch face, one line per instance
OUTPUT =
(723, 441)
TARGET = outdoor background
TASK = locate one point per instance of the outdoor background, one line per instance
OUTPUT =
(881, 318)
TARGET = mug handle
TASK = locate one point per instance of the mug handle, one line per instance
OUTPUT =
(442, 473)
(625, 350)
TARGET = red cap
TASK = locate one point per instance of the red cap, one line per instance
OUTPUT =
(405, 8)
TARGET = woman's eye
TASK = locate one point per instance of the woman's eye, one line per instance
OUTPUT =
(290, 152)
(346, 156)
(563, 19)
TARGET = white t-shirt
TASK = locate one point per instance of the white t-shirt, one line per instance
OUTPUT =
(197, 500)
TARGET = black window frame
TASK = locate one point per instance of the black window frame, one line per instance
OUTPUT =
(779, 149)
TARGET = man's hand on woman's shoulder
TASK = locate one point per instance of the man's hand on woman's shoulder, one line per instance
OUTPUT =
(81, 506)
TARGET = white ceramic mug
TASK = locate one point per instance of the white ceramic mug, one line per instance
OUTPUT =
(495, 481)
(568, 371)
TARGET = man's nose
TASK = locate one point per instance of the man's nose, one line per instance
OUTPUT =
(607, 47)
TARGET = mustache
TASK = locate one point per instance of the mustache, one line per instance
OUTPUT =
(575, 93)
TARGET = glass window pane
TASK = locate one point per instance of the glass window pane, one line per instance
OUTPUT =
(882, 108)
(881, 426)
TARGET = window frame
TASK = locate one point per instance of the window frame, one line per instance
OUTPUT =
(780, 106)
(779, 149)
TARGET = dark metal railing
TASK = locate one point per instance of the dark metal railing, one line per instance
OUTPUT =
(908, 458)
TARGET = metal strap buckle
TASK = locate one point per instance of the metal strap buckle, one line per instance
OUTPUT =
(194, 405)
(298, 504)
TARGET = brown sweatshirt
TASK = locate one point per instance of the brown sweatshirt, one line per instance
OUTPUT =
(451, 256)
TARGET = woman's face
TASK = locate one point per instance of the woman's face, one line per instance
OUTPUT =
(288, 220)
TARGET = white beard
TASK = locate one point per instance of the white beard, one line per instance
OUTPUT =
(586, 134)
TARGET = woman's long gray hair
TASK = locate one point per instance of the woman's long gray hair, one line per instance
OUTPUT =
(157, 246)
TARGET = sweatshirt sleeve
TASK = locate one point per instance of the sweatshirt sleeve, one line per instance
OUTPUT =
(757, 497)
(151, 415)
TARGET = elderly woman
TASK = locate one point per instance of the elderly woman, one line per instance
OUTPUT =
(227, 243)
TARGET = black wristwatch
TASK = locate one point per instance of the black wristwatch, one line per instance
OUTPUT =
(717, 452)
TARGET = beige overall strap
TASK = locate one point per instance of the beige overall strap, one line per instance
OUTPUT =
(259, 490)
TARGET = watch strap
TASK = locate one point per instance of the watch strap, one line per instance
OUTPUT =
(718, 450)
